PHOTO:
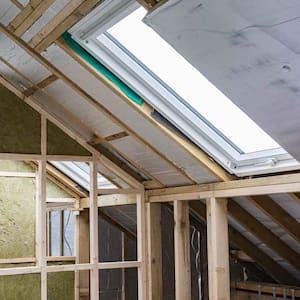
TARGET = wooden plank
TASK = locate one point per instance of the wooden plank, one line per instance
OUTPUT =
(54, 22)
(18, 260)
(19, 271)
(118, 265)
(280, 216)
(116, 136)
(93, 214)
(295, 197)
(69, 268)
(41, 85)
(41, 224)
(154, 251)
(117, 191)
(235, 188)
(67, 23)
(110, 200)
(271, 267)
(33, 17)
(83, 250)
(25, 12)
(17, 174)
(142, 246)
(218, 249)
(263, 234)
(182, 250)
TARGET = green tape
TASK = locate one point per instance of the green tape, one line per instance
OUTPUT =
(102, 69)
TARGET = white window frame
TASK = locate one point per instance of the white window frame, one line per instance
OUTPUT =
(115, 58)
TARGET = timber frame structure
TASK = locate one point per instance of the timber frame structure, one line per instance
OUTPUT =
(212, 202)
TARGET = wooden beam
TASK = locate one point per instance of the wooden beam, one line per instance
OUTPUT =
(67, 23)
(25, 12)
(66, 11)
(280, 216)
(110, 200)
(154, 251)
(276, 271)
(119, 265)
(147, 4)
(41, 85)
(142, 246)
(41, 224)
(93, 213)
(182, 250)
(235, 188)
(116, 136)
(102, 191)
(263, 234)
(35, 14)
(218, 249)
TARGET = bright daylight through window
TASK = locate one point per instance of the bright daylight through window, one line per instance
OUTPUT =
(189, 83)
(172, 86)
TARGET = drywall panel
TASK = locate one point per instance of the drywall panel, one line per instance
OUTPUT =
(247, 49)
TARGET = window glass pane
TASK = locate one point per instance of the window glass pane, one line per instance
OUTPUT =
(190, 84)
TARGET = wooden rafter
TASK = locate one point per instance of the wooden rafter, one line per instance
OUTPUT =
(58, 28)
(89, 98)
(278, 215)
(41, 85)
(33, 16)
(67, 10)
(263, 234)
(275, 270)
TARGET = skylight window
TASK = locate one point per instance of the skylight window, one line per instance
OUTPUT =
(116, 36)
(168, 65)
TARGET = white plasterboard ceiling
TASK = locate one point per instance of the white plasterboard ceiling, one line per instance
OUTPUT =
(249, 50)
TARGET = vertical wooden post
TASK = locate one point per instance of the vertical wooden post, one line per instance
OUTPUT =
(41, 215)
(182, 250)
(154, 251)
(83, 253)
(218, 249)
(142, 246)
(94, 256)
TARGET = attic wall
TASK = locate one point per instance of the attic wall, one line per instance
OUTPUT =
(20, 130)
(110, 249)
(17, 236)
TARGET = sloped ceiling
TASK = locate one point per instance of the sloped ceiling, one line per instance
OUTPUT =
(249, 50)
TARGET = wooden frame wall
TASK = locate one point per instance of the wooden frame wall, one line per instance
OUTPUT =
(93, 266)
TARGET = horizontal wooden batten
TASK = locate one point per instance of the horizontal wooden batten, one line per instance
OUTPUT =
(118, 265)
(110, 200)
(69, 268)
(237, 188)
(117, 191)
(17, 174)
(19, 271)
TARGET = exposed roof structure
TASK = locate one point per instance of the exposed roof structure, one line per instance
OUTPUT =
(40, 65)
